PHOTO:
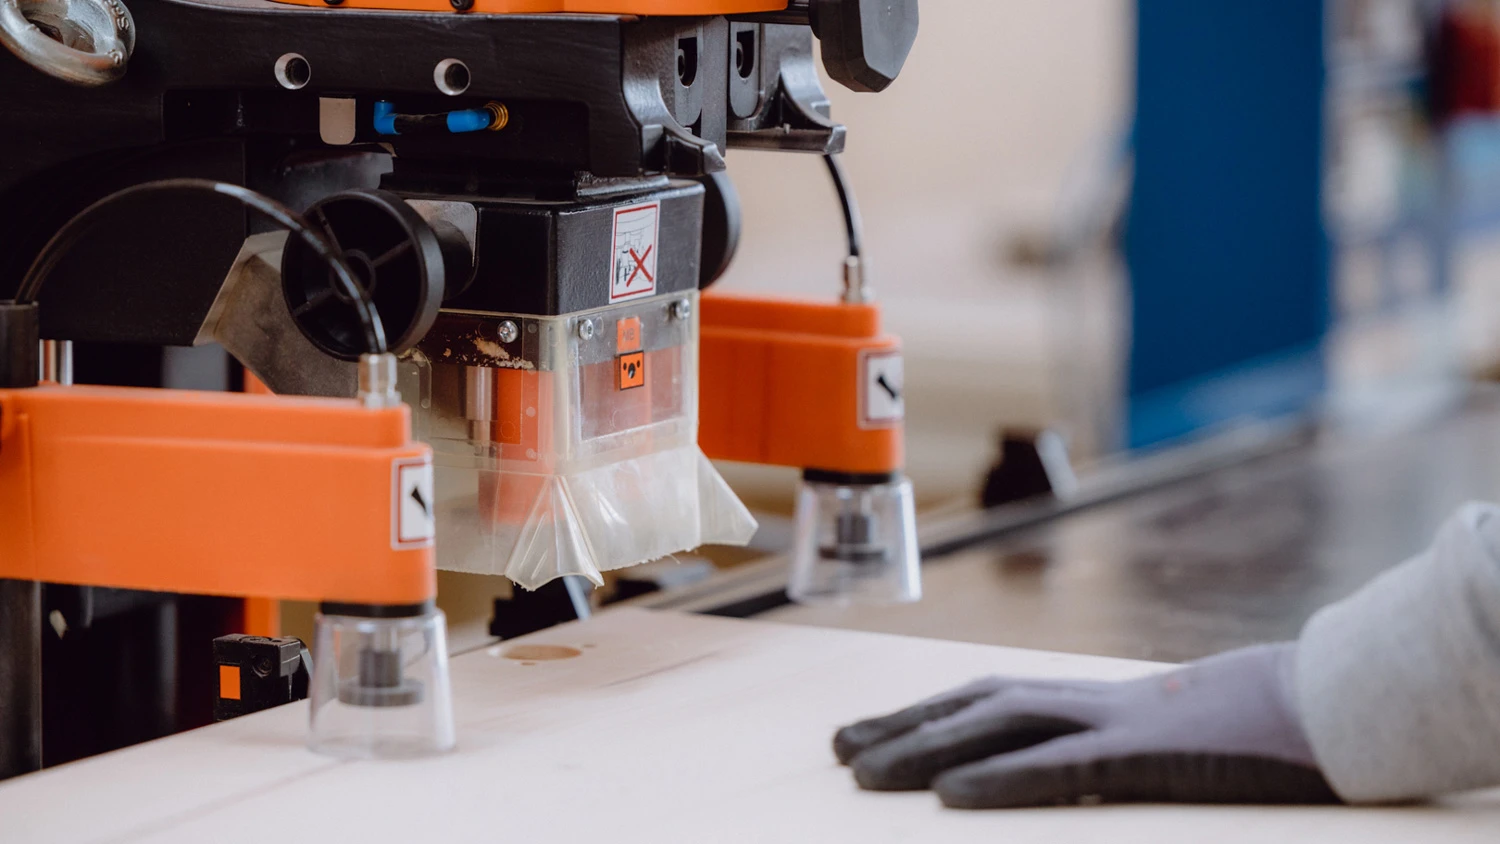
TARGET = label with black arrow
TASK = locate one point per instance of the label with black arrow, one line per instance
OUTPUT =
(415, 521)
(882, 397)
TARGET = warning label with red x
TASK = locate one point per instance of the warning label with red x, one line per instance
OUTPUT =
(632, 271)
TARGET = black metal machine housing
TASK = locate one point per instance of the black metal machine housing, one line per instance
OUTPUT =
(585, 114)
(597, 106)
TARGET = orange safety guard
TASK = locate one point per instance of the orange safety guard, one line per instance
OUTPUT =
(692, 8)
(207, 493)
(780, 385)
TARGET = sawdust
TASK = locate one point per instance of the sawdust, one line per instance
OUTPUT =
(500, 359)
(491, 348)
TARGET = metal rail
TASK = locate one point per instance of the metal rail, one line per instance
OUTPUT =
(758, 587)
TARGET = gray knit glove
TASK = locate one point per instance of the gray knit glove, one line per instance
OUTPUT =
(1222, 730)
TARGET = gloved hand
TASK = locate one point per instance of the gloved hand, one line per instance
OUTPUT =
(1222, 730)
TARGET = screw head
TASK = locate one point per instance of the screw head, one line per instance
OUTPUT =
(682, 309)
(586, 330)
(509, 332)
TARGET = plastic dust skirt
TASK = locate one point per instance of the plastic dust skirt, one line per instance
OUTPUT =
(568, 445)
(536, 528)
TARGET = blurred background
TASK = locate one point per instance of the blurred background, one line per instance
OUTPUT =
(1199, 304)
(1006, 126)
(1132, 222)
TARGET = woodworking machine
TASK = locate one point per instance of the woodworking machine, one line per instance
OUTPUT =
(457, 247)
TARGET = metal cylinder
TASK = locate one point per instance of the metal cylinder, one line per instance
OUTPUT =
(479, 401)
(57, 361)
(19, 345)
(479, 393)
(377, 381)
(857, 290)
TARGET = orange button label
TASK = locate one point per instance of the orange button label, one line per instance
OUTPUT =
(632, 370)
(229, 682)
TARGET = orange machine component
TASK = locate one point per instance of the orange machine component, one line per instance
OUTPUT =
(261, 617)
(608, 7)
(213, 494)
(788, 383)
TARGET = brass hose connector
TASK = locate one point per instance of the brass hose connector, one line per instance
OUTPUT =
(499, 115)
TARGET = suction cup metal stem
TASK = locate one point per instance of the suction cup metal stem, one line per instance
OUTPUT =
(377, 381)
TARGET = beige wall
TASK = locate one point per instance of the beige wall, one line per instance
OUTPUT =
(972, 146)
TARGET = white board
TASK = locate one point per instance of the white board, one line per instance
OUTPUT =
(668, 728)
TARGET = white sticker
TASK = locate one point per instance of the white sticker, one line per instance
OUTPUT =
(882, 400)
(632, 268)
(413, 521)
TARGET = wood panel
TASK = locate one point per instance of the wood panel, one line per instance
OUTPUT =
(666, 728)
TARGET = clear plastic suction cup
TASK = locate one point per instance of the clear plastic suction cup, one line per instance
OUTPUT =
(380, 687)
(856, 544)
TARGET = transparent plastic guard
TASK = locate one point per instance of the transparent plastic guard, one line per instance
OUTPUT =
(856, 544)
(380, 687)
(568, 445)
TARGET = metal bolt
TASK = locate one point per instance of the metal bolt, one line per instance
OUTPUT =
(509, 332)
(586, 330)
(682, 309)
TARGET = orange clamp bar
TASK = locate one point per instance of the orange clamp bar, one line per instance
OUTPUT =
(214, 494)
(805, 384)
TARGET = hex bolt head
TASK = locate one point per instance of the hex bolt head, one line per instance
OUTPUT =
(682, 309)
(508, 331)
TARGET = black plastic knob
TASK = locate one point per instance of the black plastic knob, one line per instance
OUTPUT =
(722, 223)
(395, 256)
(865, 42)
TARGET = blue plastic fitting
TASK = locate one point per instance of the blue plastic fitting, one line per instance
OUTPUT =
(385, 117)
(466, 120)
(469, 120)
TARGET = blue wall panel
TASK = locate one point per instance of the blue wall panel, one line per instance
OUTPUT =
(1225, 244)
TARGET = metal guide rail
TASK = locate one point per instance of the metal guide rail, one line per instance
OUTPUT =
(1226, 543)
